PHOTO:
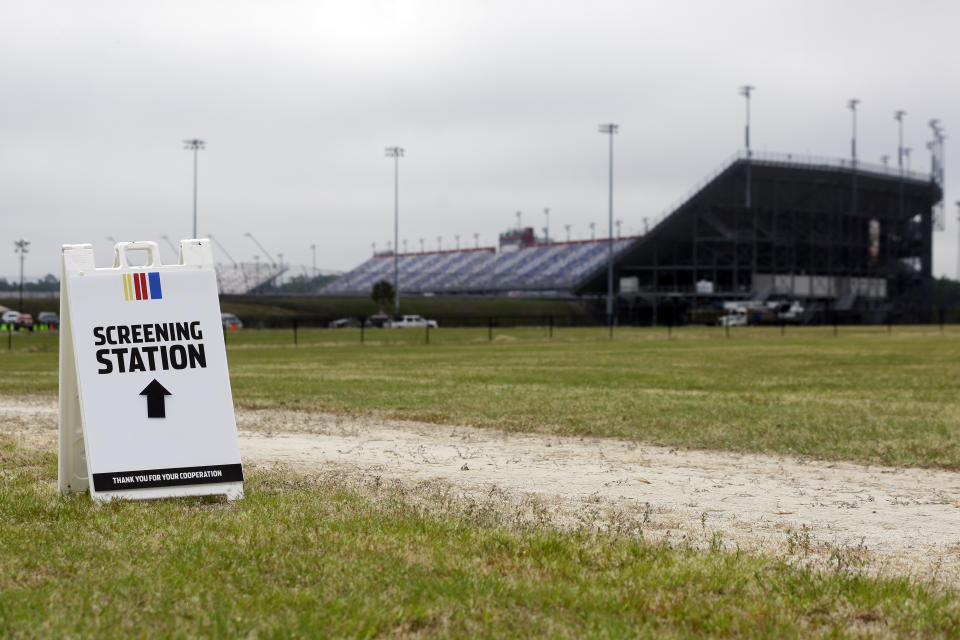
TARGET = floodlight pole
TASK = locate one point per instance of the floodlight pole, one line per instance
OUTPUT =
(567, 227)
(898, 116)
(745, 92)
(217, 242)
(476, 240)
(194, 145)
(396, 153)
(273, 262)
(313, 249)
(610, 130)
(21, 246)
(546, 229)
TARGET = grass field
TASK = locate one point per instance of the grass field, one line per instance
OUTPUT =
(317, 558)
(863, 395)
(302, 556)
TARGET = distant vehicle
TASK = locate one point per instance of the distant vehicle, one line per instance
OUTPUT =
(377, 320)
(412, 322)
(742, 313)
(10, 318)
(49, 318)
(735, 318)
(230, 321)
(25, 321)
(344, 323)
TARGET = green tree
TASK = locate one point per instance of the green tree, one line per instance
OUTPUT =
(383, 294)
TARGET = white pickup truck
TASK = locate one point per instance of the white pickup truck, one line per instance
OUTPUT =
(412, 322)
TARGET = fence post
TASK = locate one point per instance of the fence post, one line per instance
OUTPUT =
(295, 340)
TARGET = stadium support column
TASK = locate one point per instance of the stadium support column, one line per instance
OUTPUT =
(610, 129)
(745, 92)
(396, 153)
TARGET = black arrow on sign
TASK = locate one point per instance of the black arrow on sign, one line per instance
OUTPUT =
(155, 400)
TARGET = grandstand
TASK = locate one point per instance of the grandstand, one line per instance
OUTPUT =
(242, 278)
(834, 235)
(550, 268)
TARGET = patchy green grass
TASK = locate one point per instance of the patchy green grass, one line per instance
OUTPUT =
(309, 558)
(864, 395)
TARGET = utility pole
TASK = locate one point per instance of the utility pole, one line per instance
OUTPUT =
(396, 153)
(745, 92)
(196, 146)
(22, 247)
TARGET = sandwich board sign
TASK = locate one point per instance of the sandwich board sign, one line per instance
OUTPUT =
(146, 409)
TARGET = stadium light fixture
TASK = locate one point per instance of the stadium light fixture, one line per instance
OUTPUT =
(196, 146)
(404, 245)
(457, 236)
(439, 243)
(619, 222)
(396, 153)
(593, 230)
(374, 245)
(476, 240)
(546, 229)
(567, 227)
(852, 105)
(520, 220)
(21, 247)
(313, 248)
(273, 262)
(898, 116)
(421, 245)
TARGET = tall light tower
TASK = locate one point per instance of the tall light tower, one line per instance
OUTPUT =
(898, 116)
(439, 243)
(313, 249)
(546, 228)
(196, 146)
(457, 236)
(745, 92)
(610, 129)
(22, 247)
(593, 230)
(421, 245)
(265, 252)
(852, 105)
(396, 153)
(476, 239)
(520, 220)
(567, 227)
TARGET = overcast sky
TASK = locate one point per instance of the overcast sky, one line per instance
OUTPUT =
(496, 103)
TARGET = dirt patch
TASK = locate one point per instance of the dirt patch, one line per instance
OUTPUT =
(879, 520)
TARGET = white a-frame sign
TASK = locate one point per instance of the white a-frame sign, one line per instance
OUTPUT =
(145, 404)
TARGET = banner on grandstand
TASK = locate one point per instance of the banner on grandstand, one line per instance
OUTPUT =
(146, 409)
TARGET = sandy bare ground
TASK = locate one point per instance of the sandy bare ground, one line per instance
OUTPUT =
(873, 519)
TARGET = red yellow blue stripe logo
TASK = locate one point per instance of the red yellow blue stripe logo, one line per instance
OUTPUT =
(142, 286)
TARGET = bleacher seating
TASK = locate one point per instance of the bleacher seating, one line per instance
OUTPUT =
(556, 267)
(246, 277)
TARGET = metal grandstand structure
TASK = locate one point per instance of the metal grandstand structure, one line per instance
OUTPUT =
(246, 277)
(547, 268)
(840, 236)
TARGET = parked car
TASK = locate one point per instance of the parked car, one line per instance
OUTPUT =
(377, 320)
(230, 321)
(10, 318)
(49, 318)
(25, 321)
(412, 322)
(344, 323)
